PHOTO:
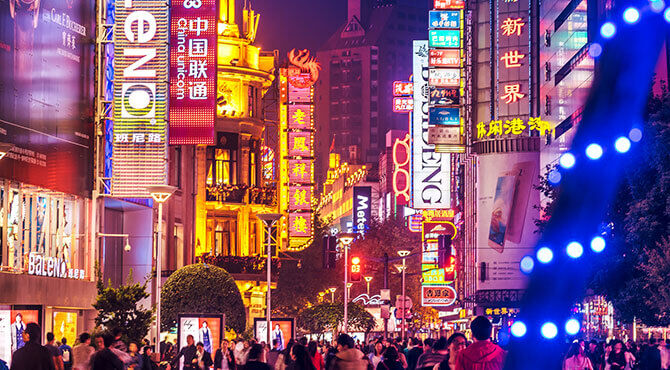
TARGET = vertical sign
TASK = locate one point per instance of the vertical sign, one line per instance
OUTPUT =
(193, 47)
(140, 97)
(437, 283)
(401, 177)
(362, 208)
(431, 170)
(512, 59)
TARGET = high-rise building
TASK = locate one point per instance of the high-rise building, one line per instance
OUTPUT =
(359, 64)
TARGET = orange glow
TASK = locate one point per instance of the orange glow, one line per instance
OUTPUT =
(355, 261)
(512, 58)
(512, 26)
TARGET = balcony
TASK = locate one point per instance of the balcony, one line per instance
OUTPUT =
(241, 194)
(242, 268)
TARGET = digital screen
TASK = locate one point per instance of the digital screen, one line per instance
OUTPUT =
(47, 93)
(193, 49)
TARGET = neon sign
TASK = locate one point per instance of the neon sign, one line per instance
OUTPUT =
(444, 58)
(403, 88)
(449, 4)
(403, 104)
(302, 62)
(444, 38)
(401, 177)
(514, 127)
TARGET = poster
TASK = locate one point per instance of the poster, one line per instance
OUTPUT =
(13, 322)
(205, 328)
(65, 326)
(283, 330)
(506, 215)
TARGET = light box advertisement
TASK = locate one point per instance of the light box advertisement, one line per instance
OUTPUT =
(444, 38)
(445, 77)
(283, 330)
(207, 329)
(449, 4)
(444, 58)
(444, 96)
(444, 19)
(444, 116)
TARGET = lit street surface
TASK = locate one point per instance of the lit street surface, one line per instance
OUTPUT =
(334, 185)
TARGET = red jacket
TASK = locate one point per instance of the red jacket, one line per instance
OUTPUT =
(482, 355)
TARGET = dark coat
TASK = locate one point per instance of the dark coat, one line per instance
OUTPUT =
(218, 357)
(32, 356)
(189, 353)
(105, 359)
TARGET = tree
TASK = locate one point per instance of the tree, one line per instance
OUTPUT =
(201, 288)
(329, 316)
(118, 307)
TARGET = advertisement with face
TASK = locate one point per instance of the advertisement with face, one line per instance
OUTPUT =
(13, 321)
(506, 208)
(46, 92)
(202, 328)
(282, 330)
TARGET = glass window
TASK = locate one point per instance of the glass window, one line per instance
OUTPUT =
(252, 169)
(225, 237)
(221, 166)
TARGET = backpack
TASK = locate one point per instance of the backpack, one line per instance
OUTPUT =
(66, 355)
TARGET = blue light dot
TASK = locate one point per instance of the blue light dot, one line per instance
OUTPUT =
(518, 329)
(527, 264)
(666, 15)
(635, 134)
(631, 15)
(598, 244)
(595, 50)
(594, 151)
(572, 327)
(622, 144)
(554, 177)
(545, 255)
(574, 250)
(549, 330)
(657, 5)
(567, 160)
(607, 30)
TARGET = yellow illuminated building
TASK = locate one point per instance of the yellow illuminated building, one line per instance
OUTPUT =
(230, 190)
(336, 201)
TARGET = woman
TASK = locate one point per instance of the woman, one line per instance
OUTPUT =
(376, 355)
(284, 359)
(135, 362)
(456, 343)
(620, 359)
(224, 358)
(317, 359)
(300, 358)
(390, 360)
(576, 359)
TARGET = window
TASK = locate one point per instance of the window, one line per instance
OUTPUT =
(221, 166)
(252, 169)
(253, 93)
(224, 236)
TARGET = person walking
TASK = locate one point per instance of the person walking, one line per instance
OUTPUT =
(254, 359)
(416, 350)
(482, 354)
(619, 359)
(390, 361)
(189, 354)
(31, 355)
(118, 343)
(56, 353)
(376, 355)
(67, 354)
(317, 359)
(135, 362)
(203, 356)
(273, 355)
(347, 357)
(439, 352)
(576, 359)
(147, 362)
(224, 358)
(104, 358)
(456, 343)
(300, 358)
(82, 352)
(650, 357)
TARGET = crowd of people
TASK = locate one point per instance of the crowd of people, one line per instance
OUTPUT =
(617, 355)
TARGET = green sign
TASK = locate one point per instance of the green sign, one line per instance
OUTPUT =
(444, 38)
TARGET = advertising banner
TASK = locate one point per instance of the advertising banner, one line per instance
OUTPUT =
(283, 330)
(13, 320)
(444, 58)
(444, 96)
(300, 198)
(403, 88)
(300, 224)
(401, 177)
(445, 135)
(444, 38)
(299, 170)
(362, 211)
(193, 49)
(449, 4)
(444, 19)
(444, 116)
(431, 186)
(438, 295)
(300, 117)
(506, 216)
(47, 93)
(299, 144)
(207, 329)
(445, 77)
(403, 104)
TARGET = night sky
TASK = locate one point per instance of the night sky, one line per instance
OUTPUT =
(303, 24)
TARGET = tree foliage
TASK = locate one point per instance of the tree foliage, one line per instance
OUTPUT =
(118, 307)
(201, 288)
(329, 316)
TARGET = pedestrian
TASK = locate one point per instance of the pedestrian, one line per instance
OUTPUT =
(189, 354)
(576, 358)
(56, 353)
(82, 352)
(620, 359)
(67, 354)
(482, 354)
(31, 355)
(438, 353)
(147, 361)
(416, 350)
(376, 355)
(240, 352)
(104, 358)
(347, 357)
(284, 359)
(254, 360)
(135, 362)
(118, 342)
(300, 358)
(456, 343)
(203, 356)
(224, 358)
(317, 359)
(594, 355)
(331, 352)
(650, 357)
(273, 354)
(390, 360)
(664, 348)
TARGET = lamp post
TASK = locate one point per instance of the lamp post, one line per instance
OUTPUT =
(332, 294)
(368, 279)
(160, 193)
(269, 219)
(403, 254)
(346, 239)
(349, 285)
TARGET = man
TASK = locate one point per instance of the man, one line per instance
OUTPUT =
(347, 357)
(439, 352)
(118, 342)
(204, 358)
(274, 353)
(224, 358)
(255, 356)
(650, 357)
(67, 354)
(82, 353)
(594, 354)
(189, 354)
(56, 353)
(147, 362)
(415, 350)
(17, 329)
(105, 359)
(206, 336)
(482, 354)
(32, 355)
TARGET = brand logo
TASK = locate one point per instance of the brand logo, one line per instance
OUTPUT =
(52, 267)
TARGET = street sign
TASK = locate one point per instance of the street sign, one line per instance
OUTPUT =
(438, 295)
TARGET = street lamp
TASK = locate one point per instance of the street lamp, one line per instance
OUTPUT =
(269, 219)
(160, 193)
(349, 285)
(403, 253)
(368, 279)
(332, 294)
(346, 239)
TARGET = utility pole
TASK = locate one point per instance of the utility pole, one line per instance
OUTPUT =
(386, 286)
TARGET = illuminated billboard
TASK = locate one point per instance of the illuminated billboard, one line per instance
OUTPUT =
(444, 58)
(403, 104)
(362, 208)
(437, 282)
(449, 4)
(401, 177)
(431, 187)
(444, 19)
(444, 96)
(193, 49)
(403, 88)
(445, 77)
(444, 38)
(47, 93)
(444, 116)
(140, 97)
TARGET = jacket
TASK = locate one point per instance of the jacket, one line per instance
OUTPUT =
(32, 356)
(349, 359)
(81, 356)
(481, 355)
(105, 359)
(218, 357)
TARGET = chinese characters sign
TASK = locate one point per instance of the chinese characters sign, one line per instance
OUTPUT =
(403, 104)
(444, 58)
(403, 88)
(445, 77)
(444, 116)
(512, 59)
(444, 96)
(513, 127)
(193, 46)
(444, 38)
(449, 4)
(140, 94)
(437, 282)
(401, 176)
(444, 19)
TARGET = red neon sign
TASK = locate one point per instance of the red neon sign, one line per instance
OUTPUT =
(444, 58)
(401, 177)
(403, 104)
(449, 4)
(402, 88)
